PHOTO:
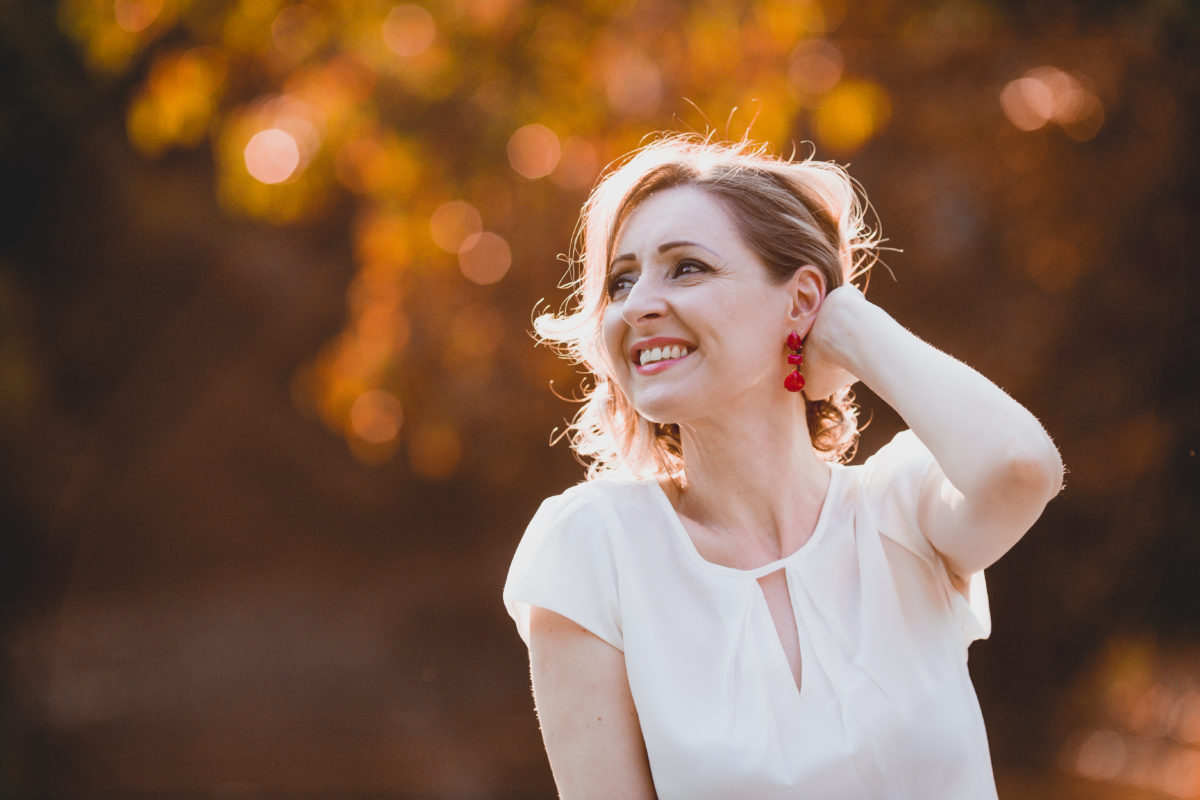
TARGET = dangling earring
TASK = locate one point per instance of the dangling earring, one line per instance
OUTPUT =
(794, 382)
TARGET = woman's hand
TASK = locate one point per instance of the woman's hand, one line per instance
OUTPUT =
(825, 366)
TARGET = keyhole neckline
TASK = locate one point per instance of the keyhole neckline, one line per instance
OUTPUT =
(835, 476)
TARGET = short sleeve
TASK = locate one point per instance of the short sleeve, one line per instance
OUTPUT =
(893, 479)
(565, 564)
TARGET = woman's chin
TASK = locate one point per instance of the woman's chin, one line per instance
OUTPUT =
(663, 407)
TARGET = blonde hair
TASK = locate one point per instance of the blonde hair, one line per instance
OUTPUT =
(791, 213)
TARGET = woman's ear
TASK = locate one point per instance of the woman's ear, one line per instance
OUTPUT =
(806, 289)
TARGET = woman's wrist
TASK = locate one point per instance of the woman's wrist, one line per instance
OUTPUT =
(838, 341)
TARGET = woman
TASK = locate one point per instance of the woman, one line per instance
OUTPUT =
(724, 609)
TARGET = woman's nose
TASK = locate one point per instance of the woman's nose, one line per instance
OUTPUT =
(645, 300)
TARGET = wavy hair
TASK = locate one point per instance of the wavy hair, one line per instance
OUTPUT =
(790, 213)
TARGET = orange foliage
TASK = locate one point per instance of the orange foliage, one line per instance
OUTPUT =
(407, 111)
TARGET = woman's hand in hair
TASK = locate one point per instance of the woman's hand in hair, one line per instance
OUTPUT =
(996, 466)
(825, 356)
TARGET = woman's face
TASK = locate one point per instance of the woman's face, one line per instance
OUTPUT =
(693, 325)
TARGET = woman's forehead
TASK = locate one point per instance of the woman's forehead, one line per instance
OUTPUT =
(679, 213)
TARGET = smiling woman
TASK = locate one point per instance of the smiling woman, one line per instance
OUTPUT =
(688, 280)
(724, 609)
(792, 213)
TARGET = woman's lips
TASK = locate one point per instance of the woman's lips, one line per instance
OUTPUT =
(658, 366)
(654, 355)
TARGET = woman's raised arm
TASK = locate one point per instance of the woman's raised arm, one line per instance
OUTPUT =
(996, 466)
(589, 723)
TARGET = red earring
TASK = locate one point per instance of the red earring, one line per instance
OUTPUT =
(794, 382)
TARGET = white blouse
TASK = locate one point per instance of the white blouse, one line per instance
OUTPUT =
(885, 708)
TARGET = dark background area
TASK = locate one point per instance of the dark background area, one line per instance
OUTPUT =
(221, 580)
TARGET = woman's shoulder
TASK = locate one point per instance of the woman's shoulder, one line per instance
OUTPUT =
(571, 557)
(605, 502)
(606, 491)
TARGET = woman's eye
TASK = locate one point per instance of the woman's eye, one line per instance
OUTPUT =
(620, 284)
(689, 266)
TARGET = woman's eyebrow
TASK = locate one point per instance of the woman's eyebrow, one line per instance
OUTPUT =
(620, 258)
(663, 248)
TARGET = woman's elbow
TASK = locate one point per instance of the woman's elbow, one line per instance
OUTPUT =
(1031, 474)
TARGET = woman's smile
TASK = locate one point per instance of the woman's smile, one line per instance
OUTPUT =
(652, 356)
(693, 320)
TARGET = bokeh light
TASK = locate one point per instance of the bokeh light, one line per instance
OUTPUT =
(409, 30)
(633, 84)
(136, 15)
(265, 152)
(1102, 756)
(485, 258)
(376, 416)
(454, 223)
(579, 164)
(815, 67)
(298, 118)
(1028, 103)
(272, 156)
(1047, 94)
(850, 114)
(534, 151)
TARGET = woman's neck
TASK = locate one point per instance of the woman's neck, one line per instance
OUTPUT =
(755, 481)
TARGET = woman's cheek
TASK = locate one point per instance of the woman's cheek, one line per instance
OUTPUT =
(611, 345)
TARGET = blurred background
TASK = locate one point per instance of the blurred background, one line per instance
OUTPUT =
(271, 422)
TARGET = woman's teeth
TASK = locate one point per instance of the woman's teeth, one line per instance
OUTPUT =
(653, 354)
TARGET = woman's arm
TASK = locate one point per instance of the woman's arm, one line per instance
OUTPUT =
(588, 720)
(996, 466)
